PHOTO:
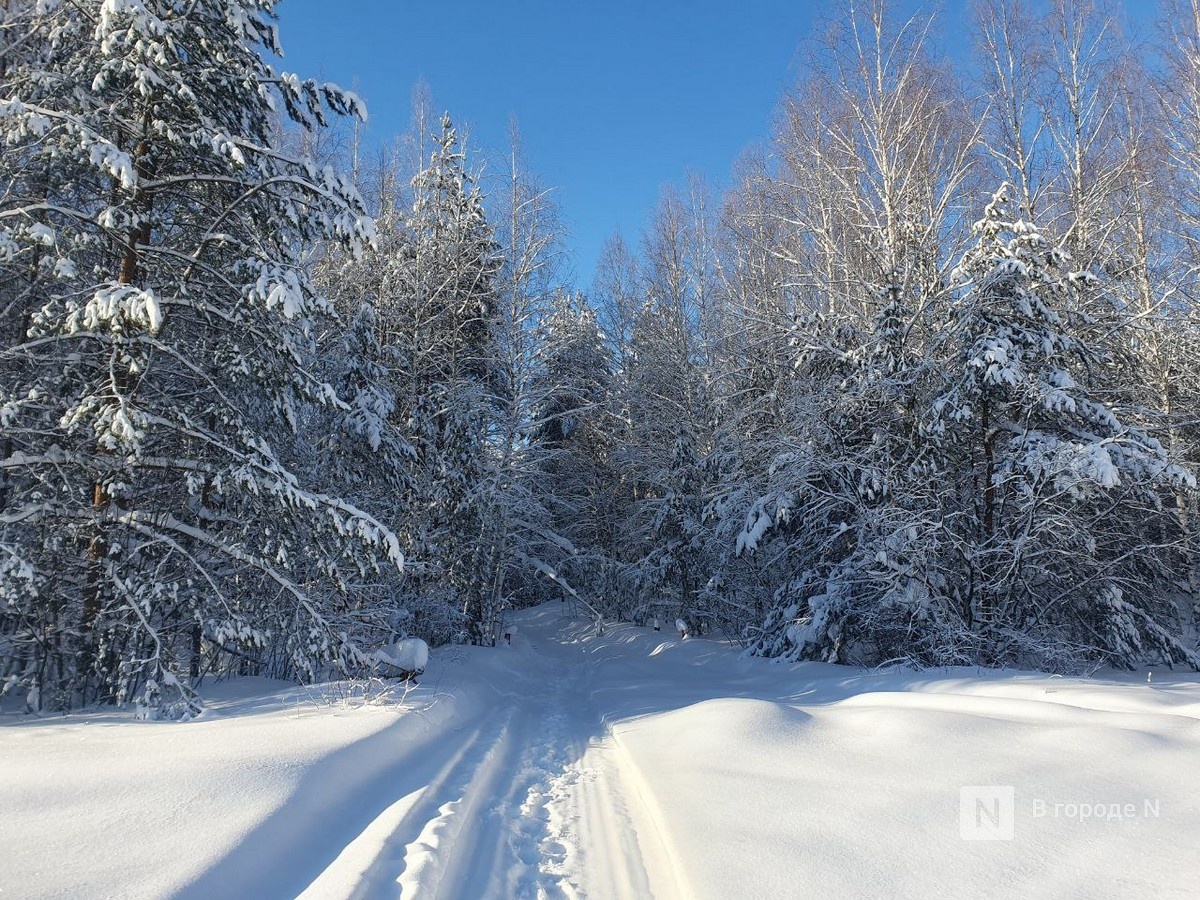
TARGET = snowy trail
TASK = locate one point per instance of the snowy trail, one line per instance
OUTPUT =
(526, 837)
(564, 818)
(532, 802)
(619, 824)
(404, 845)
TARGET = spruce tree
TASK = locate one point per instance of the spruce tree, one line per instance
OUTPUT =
(440, 326)
(573, 445)
(1069, 544)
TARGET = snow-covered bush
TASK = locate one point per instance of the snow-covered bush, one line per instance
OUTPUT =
(407, 657)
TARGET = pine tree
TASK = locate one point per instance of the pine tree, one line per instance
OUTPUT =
(663, 458)
(854, 491)
(440, 327)
(424, 367)
(573, 443)
(153, 522)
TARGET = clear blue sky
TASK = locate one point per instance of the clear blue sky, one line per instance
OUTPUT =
(615, 98)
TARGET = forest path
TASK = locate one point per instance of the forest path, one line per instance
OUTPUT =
(532, 801)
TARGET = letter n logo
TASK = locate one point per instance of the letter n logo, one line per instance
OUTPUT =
(987, 812)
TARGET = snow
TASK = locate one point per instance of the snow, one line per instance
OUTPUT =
(114, 305)
(114, 161)
(757, 523)
(99, 806)
(42, 234)
(407, 654)
(287, 294)
(621, 763)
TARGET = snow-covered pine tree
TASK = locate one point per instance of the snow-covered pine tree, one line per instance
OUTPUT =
(150, 240)
(573, 443)
(748, 527)
(875, 150)
(575, 373)
(1174, 347)
(520, 548)
(419, 300)
(662, 395)
(361, 452)
(1069, 544)
(440, 326)
(861, 582)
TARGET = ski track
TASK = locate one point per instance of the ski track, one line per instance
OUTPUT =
(406, 842)
(527, 788)
(527, 843)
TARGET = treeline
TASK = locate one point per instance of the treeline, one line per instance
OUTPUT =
(923, 387)
(920, 387)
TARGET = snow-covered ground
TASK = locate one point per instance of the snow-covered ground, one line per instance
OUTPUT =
(626, 764)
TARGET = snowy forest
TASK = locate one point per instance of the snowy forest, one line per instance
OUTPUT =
(919, 385)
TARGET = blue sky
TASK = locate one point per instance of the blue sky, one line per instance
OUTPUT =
(615, 99)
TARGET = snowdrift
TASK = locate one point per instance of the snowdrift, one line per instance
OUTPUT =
(622, 763)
